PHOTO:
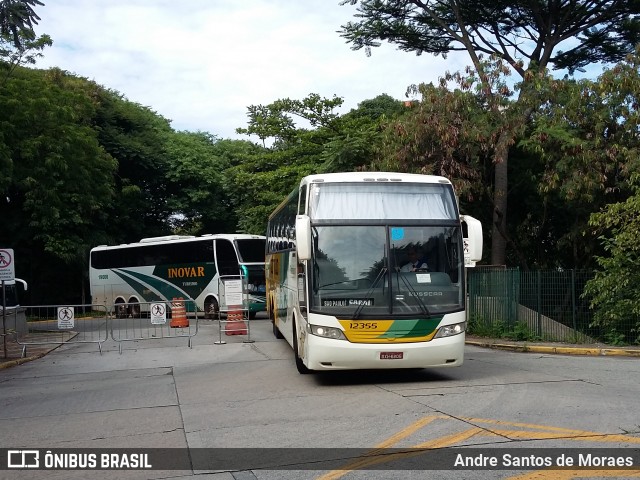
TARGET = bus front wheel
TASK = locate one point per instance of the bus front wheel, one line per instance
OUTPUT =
(299, 363)
(276, 331)
(121, 310)
(211, 308)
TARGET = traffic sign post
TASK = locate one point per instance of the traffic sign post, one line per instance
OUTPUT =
(7, 265)
(7, 274)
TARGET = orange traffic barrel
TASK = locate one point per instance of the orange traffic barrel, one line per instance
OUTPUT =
(178, 313)
(235, 324)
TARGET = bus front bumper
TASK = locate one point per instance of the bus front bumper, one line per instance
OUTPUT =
(328, 354)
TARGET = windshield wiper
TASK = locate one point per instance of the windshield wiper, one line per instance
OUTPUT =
(336, 283)
(356, 314)
(424, 308)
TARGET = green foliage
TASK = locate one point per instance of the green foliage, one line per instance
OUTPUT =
(604, 31)
(58, 176)
(585, 137)
(520, 331)
(276, 120)
(17, 19)
(338, 143)
(612, 337)
(494, 30)
(26, 53)
(198, 165)
(613, 291)
(264, 178)
(446, 133)
(136, 137)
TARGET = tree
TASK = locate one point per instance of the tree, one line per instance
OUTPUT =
(527, 35)
(335, 143)
(12, 57)
(57, 181)
(612, 292)
(17, 18)
(136, 137)
(197, 164)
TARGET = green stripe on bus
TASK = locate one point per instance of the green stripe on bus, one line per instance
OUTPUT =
(411, 328)
(166, 289)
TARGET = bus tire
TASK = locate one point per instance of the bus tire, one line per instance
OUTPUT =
(211, 308)
(134, 310)
(276, 331)
(120, 310)
(299, 363)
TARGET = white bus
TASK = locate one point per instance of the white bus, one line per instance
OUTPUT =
(129, 276)
(341, 286)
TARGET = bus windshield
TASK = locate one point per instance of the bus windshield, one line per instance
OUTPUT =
(251, 250)
(373, 201)
(386, 270)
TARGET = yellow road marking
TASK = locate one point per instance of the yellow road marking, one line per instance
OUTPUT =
(408, 431)
(369, 461)
(577, 436)
(540, 432)
(583, 434)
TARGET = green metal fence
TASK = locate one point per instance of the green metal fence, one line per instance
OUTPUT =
(537, 305)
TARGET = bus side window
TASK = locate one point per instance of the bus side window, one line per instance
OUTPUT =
(227, 260)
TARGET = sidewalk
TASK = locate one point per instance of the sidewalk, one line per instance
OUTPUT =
(13, 354)
(596, 349)
(14, 350)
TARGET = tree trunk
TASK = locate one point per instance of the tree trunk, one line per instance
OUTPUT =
(499, 226)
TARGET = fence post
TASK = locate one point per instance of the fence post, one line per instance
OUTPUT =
(539, 300)
(573, 300)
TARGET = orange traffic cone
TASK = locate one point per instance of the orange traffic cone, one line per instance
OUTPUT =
(178, 313)
(235, 323)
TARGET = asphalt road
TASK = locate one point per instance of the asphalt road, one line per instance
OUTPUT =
(161, 394)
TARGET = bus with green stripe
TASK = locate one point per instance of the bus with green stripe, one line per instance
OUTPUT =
(366, 270)
(129, 277)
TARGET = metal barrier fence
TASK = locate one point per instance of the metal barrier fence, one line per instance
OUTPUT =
(158, 320)
(537, 305)
(233, 314)
(56, 324)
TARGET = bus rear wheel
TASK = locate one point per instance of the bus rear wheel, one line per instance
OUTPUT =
(134, 310)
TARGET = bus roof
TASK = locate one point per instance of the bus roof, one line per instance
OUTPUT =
(183, 238)
(373, 177)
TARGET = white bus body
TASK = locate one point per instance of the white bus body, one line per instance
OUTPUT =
(129, 276)
(340, 285)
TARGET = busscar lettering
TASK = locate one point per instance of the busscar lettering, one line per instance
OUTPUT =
(424, 294)
(185, 272)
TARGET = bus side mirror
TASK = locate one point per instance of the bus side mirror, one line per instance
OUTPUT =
(303, 237)
(473, 241)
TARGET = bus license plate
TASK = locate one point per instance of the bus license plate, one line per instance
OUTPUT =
(391, 355)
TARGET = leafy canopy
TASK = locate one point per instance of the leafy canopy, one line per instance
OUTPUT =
(592, 30)
(17, 18)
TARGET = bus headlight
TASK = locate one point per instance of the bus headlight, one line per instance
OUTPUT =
(327, 332)
(450, 330)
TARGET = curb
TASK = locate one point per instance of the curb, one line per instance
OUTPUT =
(562, 350)
(20, 361)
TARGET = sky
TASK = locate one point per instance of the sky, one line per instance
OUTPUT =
(201, 63)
